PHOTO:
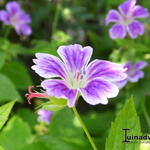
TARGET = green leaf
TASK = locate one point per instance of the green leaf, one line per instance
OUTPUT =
(127, 118)
(51, 106)
(8, 90)
(2, 60)
(28, 116)
(97, 122)
(18, 74)
(65, 130)
(145, 146)
(15, 135)
(35, 146)
(55, 104)
(58, 143)
(11, 49)
(4, 44)
(4, 112)
(1, 148)
(59, 101)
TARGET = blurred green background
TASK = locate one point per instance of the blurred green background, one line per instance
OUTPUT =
(56, 23)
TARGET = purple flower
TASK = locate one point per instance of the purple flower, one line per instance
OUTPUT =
(73, 74)
(44, 115)
(15, 16)
(125, 20)
(133, 72)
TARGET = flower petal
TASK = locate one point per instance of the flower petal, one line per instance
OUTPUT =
(17, 29)
(44, 115)
(24, 18)
(140, 65)
(121, 83)
(48, 66)
(128, 67)
(97, 91)
(137, 75)
(75, 56)
(13, 7)
(135, 28)
(25, 29)
(127, 6)
(105, 69)
(117, 31)
(113, 16)
(57, 88)
(4, 16)
(140, 12)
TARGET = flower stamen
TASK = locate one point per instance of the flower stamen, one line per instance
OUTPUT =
(31, 95)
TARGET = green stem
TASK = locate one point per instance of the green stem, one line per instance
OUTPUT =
(56, 17)
(84, 128)
(145, 114)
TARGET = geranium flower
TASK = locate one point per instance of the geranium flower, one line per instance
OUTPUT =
(73, 74)
(44, 115)
(15, 16)
(133, 72)
(125, 20)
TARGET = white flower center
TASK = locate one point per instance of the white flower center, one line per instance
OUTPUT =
(76, 80)
(14, 20)
(126, 19)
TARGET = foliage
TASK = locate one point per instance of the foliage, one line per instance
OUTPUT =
(4, 112)
(127, 118)
(63, 22)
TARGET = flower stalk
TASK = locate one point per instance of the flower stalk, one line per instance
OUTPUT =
(84, 128)
(56, 17)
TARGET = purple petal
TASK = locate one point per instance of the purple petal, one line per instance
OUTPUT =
(17, 29)
(13, 7)
(75, 56)
(140, 65)
(127, 6)
(140, 12)
(44, 115)
(117, 31)
(128, 67)
(4, 17)
(121, 83)
(105, 69)
(135, 28)
(24, 18)
(57, 88)
(25, 29)
(98, 90)
(113, 16)
(136, 76)
(48, 66)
